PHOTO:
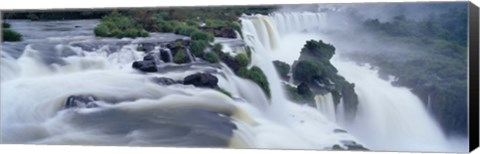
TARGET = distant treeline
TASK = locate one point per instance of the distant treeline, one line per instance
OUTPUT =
(179, 13)
(435, 65)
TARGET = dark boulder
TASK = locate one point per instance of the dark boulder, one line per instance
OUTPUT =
(201, 80)
(145, 66)
(165, 55)
(352, 145)
(149, 57)
(145, 47)
(304, 89)
(339, 131)
(81, 101)
(164, 81)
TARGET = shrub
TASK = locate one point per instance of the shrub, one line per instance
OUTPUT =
(242, 60)
(282, 68)
(256, 75)
(307, 71)
(101, 30)
(200, 35)
(249, 52)
(117, 25)
(224, 91)
(184, 30)
(5, 25)
(243, 72)
(180, 57)
(317, 49)
(197, 47)
(211, 57)
(164, 26)
(10, 35)
(217, 47)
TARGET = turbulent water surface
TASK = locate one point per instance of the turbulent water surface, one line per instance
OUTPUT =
(59, 59)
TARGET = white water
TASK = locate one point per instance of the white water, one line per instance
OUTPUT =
(389, 118)
(34, 92)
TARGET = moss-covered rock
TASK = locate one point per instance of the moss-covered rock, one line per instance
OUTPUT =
(307, 71)
(5, 25)
(118, 25)
(242, 60)
(211, 57)
(10, 35)
(282, 68)
(256, 75)
(181, 57)
(197, 47)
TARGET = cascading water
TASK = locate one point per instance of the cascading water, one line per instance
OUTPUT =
(388, 118)
(136, 110)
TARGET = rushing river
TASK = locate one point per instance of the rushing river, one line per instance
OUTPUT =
(59, 59)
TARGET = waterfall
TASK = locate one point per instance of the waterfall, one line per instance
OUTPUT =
(388, 118)
(136, 110)
(325, 104)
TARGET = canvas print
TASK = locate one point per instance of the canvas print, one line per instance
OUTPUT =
(358, 76)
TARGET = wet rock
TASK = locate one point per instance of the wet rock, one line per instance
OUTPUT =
(201, 80)
(352, 145)
(304, 89)
(164, 81)
(81, 101)
(165, 55)
(145, 47)
(149, 57)
(339, 131)
(145, 66)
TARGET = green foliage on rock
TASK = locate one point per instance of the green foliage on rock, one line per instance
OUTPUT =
(224, 91)
(197, 47)
(256, 75)
(10, 35)
(282, 68)
(317, 50)
(307, 71)
(199, 35)
(211, 57)
(432, 61)
(242, 60)
(217, 47)
(181, 57)
(5, 25)
(118, 25)
(303, 98)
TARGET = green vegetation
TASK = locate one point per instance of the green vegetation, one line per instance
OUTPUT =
(181, 57)
(197, 47)
(5, 25)
(256, 75)
(433, 62)
(223, 91)
(10, 35)
(211, 57)
(297, 95)
(307, 71)
(200, 35)
(217, 47)
(54, 15)
(282, 68)
(242, 60)
(316, 74)
(117, 25)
